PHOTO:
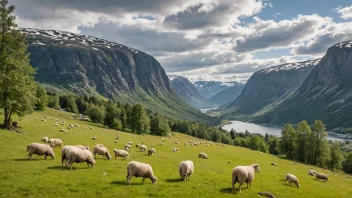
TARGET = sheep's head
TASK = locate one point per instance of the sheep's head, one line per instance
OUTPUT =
(297, 183)
(108, 156)
(256, 168)
(52, 155)
(154, 180)
(92, 162)
(183, 176)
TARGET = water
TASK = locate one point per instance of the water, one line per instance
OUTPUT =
(255, 128)
(206, 110)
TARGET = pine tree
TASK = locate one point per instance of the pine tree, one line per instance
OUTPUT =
(17, 86)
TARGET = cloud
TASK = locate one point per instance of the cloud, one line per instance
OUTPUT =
(345, 13)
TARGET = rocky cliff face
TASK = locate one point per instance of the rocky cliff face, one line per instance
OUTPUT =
(326, 93)
(267, 88)
(228, 95)
(186, 90)
(84, 64)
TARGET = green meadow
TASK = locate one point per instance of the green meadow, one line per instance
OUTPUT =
(20, 177)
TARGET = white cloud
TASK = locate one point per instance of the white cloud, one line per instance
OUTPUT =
(345, 13)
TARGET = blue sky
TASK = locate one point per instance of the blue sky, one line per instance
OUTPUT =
(222, 40)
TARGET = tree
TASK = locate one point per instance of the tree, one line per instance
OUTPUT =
(232, 133)
(95, 113)
(316, 142)
(287, 143)
(159, 126)
(347, 163)
(139, 120)
(302, 147)
(335, 156)
(112, 113)
(42, 98)
(17, 86)
(54, 102)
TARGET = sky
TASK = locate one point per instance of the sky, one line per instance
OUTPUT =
(221, 40)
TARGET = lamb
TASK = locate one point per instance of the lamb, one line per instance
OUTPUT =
(121, 153)
(139, 169)
(101, 150)
(78, 156)
(273, 163)
(142, 148)
(322, 176)
(63, 130)
(186, 169)
(203, 155)
(151, 151)
(40, 149)
(292, 179)
(66, 149)
(45, 139)
(243, 174)
(55, 142)
(312, 172)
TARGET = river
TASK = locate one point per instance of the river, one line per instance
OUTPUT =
(255, 128)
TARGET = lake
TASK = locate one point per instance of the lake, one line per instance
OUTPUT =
(255, 128)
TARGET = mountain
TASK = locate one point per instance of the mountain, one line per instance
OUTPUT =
(228, 95)
(186, 90)
(210, 88)
(88, 65)
(326, 93)
(267, 88)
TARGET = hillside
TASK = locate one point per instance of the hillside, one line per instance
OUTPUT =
(228, 95)
(212, 178)
(210, 88)
(186, 90)
(267, 88)
(325, 93)
(86, 65)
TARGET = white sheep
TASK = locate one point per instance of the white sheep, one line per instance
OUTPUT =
(175, 149)
(322, 176)
(101, 145)
(63, 130)
(116, 141)
(292, 179)
(56, 124)
(95, 138)
(242, 174)
(76, 125)
(138, 169)
(101, 150)
(121, 153)
(273, 163)
(55, 142)
(40, 149)
(66, 149)
(151, 151)
(312, 172)
(130, 143)
(78, 156)
(45, 139)
(203, 155)
(186, 169)
(142, 148)
(43, 120)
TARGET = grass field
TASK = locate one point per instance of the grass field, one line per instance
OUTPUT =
(212, 177)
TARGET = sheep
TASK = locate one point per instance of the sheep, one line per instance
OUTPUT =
(55, 142)
(142, 148)
(176, 143)
(273, 163)
(56, 124)
(43, 120)
(243, 174)
(130, 143)
(292, 179)
(76, 125)
(121, 153)
(261, 153)
(101, 145)
(312, 172)
(160, 144)
(151, 151)
(137, 145)
(40, 149)
(63, 123)
(45, 139)
(101, 150)
(116, 141)
(63, 130)
(175, 149)
(78, 156)
(185, 144)
(66, 149)
(266, 194)
(95, 138)
(322, 176)
(91, 128)
(186, 169)
(139, 169)
(126, 148)
(71, 125)
(203, 155)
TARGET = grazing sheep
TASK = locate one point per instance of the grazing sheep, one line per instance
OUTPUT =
(273, 163)
(55, 142)
(138, 169)
(175, 149)
(126, 148)
(63, 130)
(40, 149)
(176, 143)
(312, 172)
(63, 123)
(261, 153)
(121, 153)
(142, 148)
(186, 169)
(151, 151)
(160, 144)
(101, 145)
(142, 142)
(76, 125)
(43, 120)
(322, 176)
(78, 156)
(267, 194)
(66, 149)
(101, 150)
(292, 179)
(94, 138)
(203, 155)
(91, 128)
(137, 145)
(243, 174)
(130, 143)
(56, 124)
(71, 125)
(116, 141)
(45, 139)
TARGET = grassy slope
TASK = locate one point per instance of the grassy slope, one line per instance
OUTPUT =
(212, 178)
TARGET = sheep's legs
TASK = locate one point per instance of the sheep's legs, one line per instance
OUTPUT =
(240, 187)
(30, 156)
(143, 180)
(128, 179)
